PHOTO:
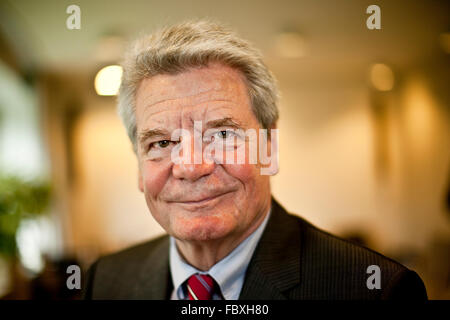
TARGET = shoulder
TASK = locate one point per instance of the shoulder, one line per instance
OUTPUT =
(115, 274)
(134, 255)
(350, 271)
(315, 264)
(326, 246)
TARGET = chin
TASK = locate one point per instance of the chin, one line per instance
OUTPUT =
(204, 228)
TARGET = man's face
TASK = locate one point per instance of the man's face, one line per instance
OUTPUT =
(207, 200)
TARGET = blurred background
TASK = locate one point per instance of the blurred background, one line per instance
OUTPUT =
(364, 129)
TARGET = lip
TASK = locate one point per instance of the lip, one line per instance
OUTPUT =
(202, 201)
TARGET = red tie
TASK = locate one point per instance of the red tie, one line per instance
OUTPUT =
(200, 287)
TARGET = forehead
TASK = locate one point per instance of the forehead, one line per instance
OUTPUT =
(192, 93)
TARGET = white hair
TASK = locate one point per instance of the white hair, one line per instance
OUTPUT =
(175, 49)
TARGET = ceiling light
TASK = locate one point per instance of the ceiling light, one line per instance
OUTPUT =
(107, 80)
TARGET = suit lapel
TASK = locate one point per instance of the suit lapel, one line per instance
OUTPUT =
(154, 281)
(275, 265)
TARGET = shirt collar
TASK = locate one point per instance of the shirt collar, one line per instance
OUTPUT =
(228, 272)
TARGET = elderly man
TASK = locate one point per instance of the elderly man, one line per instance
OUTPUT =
(198, 104)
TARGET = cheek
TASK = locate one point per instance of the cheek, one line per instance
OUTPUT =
(248, 174)
(154, 176)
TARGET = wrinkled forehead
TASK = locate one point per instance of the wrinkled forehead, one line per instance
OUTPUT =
(192, 93)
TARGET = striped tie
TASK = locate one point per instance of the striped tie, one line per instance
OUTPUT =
(201, 287)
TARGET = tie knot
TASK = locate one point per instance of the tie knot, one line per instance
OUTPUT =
(201, 287)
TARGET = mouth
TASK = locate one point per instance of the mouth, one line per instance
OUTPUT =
(198, 202)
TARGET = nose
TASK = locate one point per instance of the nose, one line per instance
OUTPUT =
(187, 168)
(192, 172)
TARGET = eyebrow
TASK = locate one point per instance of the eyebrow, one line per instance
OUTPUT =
(224, 122)
(146, 134)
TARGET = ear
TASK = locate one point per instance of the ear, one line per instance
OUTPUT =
(274, 151)
(272, 148)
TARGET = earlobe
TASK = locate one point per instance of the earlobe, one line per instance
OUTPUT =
(274, 166)
(272, 146)
(274, 151)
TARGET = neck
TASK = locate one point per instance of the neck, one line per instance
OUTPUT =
(205, 254)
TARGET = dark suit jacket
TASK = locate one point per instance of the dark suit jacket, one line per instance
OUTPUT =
(293, 260)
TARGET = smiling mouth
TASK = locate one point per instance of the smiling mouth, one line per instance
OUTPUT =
(202, 201)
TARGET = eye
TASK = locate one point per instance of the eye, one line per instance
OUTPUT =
(163, 143)
(160, 144)
(223, 134)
